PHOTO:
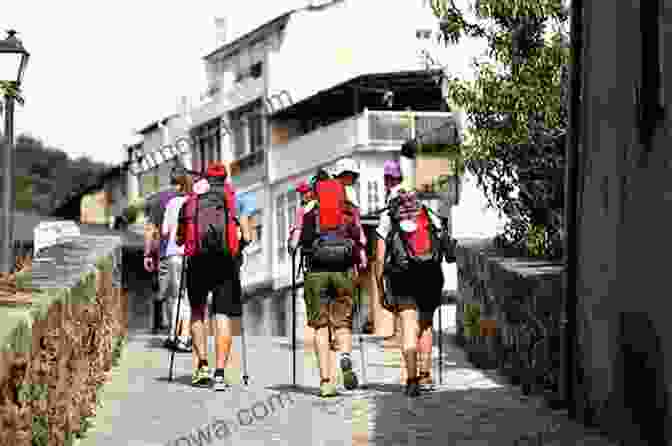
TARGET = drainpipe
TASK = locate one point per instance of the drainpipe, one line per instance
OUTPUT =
(570, 301)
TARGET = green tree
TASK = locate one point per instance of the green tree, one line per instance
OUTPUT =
(517, 109)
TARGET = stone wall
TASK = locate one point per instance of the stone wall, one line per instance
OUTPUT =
(520, 303)
(57, 352)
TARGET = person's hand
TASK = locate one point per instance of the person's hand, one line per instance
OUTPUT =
(149, 264)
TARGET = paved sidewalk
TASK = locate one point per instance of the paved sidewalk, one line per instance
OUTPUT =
(470, 408)
(141, 408)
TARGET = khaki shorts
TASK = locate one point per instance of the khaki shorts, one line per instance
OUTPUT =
(328, 297)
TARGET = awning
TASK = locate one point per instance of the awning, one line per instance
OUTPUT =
(418, 89)
(349, 40)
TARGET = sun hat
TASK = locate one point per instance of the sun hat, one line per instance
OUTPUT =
(391, 168)
(345, 166)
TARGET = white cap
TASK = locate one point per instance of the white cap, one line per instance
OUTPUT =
(345, 165)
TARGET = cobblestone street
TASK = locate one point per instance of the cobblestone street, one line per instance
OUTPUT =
(471, 407)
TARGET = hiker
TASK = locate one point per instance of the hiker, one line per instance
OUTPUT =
(332, 258)
(161, 247)
(409, 250)
(173, 272)
(211, 236)
(347, 172)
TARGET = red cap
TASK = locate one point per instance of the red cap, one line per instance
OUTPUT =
(302, 187)
(216, 169)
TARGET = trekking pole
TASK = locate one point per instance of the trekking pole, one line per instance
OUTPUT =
(177, 314)
(441, 344)
(243, 347)
(294, 318)
(361, 335)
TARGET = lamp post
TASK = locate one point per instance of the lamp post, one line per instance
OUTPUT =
(13, 60)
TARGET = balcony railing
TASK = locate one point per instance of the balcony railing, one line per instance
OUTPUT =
(398, 127)
(370, 128)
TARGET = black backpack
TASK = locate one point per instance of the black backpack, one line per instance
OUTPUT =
(211, 216)
(399, 255)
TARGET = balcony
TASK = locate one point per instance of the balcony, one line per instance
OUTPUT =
(370, 130)
(222, 98)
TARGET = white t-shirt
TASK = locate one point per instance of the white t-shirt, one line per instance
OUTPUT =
(169, 225)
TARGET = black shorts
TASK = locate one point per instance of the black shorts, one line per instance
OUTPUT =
(219, 275)
(420, 286)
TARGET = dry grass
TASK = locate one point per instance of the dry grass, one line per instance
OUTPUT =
(9, 293)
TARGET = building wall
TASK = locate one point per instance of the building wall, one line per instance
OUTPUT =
(624, 221)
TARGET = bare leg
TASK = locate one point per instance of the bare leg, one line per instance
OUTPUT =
(223, 340)
(344, 339)
(200, 344)
(409, 340)
(425, 352)
(323, 353)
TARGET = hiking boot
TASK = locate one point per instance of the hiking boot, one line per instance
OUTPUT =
(412, 388)
(220, 384)
(327, 390)
(349, 377)
(201, 377)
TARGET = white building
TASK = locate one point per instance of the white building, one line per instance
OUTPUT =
(297, 93)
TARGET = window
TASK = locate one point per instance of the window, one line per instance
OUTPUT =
(248, 130)
(256, 70)
(286, 205)
(257, 218)
(256, 132)
(208, 141)
(239, 138)
(282, 227)
(292, 203)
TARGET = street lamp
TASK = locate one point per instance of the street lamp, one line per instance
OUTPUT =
(13, 61)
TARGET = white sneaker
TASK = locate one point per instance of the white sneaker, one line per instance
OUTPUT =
(220, 384)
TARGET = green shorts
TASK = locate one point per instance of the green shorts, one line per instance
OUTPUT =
(328, 297)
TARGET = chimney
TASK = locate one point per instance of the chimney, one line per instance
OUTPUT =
(221, 29)
(182, 106)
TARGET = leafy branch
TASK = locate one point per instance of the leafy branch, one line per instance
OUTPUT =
(517, 109)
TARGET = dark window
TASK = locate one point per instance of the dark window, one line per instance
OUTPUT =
(240, 128)
(256, 132)
(256, 70)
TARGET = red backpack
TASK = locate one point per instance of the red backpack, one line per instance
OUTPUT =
(419, 246)
(207, 223)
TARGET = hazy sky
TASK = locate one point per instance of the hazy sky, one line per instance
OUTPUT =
(100, 70)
